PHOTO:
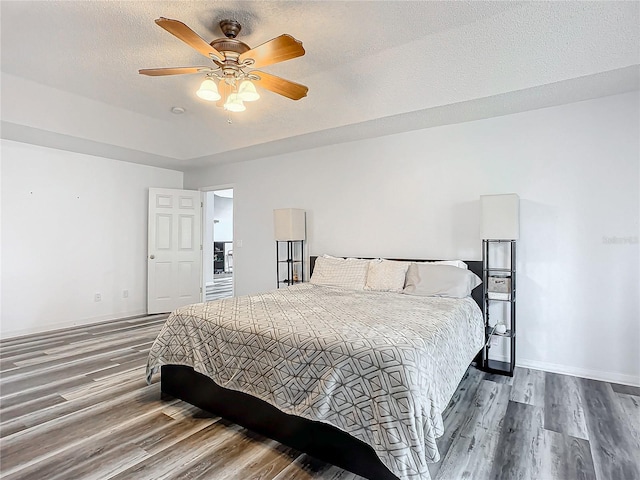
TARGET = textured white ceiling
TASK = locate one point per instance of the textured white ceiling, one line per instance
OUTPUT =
(70, 70)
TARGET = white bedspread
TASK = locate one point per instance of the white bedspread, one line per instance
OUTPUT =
(379, 366)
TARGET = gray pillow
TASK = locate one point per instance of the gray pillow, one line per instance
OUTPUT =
(430, 280)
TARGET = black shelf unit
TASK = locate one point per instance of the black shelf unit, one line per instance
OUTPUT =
(221, 257)
(289, 262)
(508, 296)
(218, 257)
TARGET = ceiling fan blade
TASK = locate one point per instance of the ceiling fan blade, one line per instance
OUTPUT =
(224, 89)
(158, 72)
(188, 36)
(289, 89)
(279, 49)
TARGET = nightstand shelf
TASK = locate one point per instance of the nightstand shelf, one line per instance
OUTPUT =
(499, 288)
(491, 331)
(496, 366)
(289, 262)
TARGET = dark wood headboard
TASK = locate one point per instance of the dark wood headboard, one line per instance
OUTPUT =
(474, 265)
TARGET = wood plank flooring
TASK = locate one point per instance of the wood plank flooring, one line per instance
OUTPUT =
(74, 404)
(222, 287)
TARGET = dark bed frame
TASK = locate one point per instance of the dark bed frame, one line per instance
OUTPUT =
(320, 440)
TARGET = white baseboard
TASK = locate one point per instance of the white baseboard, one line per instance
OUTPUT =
(614, 377)
(574, 371)
(73, 323)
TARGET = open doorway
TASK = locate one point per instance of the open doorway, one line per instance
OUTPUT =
(218, 244)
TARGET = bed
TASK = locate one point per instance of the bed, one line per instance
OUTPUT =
(296, 365)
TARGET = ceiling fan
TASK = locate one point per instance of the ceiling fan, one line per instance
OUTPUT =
(231, 80)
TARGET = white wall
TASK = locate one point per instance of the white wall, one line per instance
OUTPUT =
(416, 195)
(73, 225)
(207, 242)
(223, 213)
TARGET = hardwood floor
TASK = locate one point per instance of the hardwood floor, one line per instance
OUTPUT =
(74, 404)
(222, 287)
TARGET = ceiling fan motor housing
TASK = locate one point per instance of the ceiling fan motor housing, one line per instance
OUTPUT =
(230, 28)
(230, 45)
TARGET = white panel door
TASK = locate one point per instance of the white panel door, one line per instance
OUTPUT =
(174, 259)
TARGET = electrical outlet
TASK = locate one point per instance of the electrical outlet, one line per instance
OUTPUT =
(97, 297)
(125, 294)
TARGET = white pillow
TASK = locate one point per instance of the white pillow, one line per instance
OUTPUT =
(349, 259)
(386, 275)
(453, 263)
(429, 280)
(338, 272)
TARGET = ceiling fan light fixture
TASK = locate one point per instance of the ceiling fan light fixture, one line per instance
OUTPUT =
(247, 92)
(234, 103)
(209, 91)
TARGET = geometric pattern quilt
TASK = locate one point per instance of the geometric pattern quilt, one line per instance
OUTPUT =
(380, 366)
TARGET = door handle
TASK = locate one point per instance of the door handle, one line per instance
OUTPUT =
(152, 257)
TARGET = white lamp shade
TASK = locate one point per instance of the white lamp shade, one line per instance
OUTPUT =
(234, 103)
(247, 92)
(208, 91)
(500, 217)
(289, 224)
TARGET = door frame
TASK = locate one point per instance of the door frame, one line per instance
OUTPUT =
(204, 190)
